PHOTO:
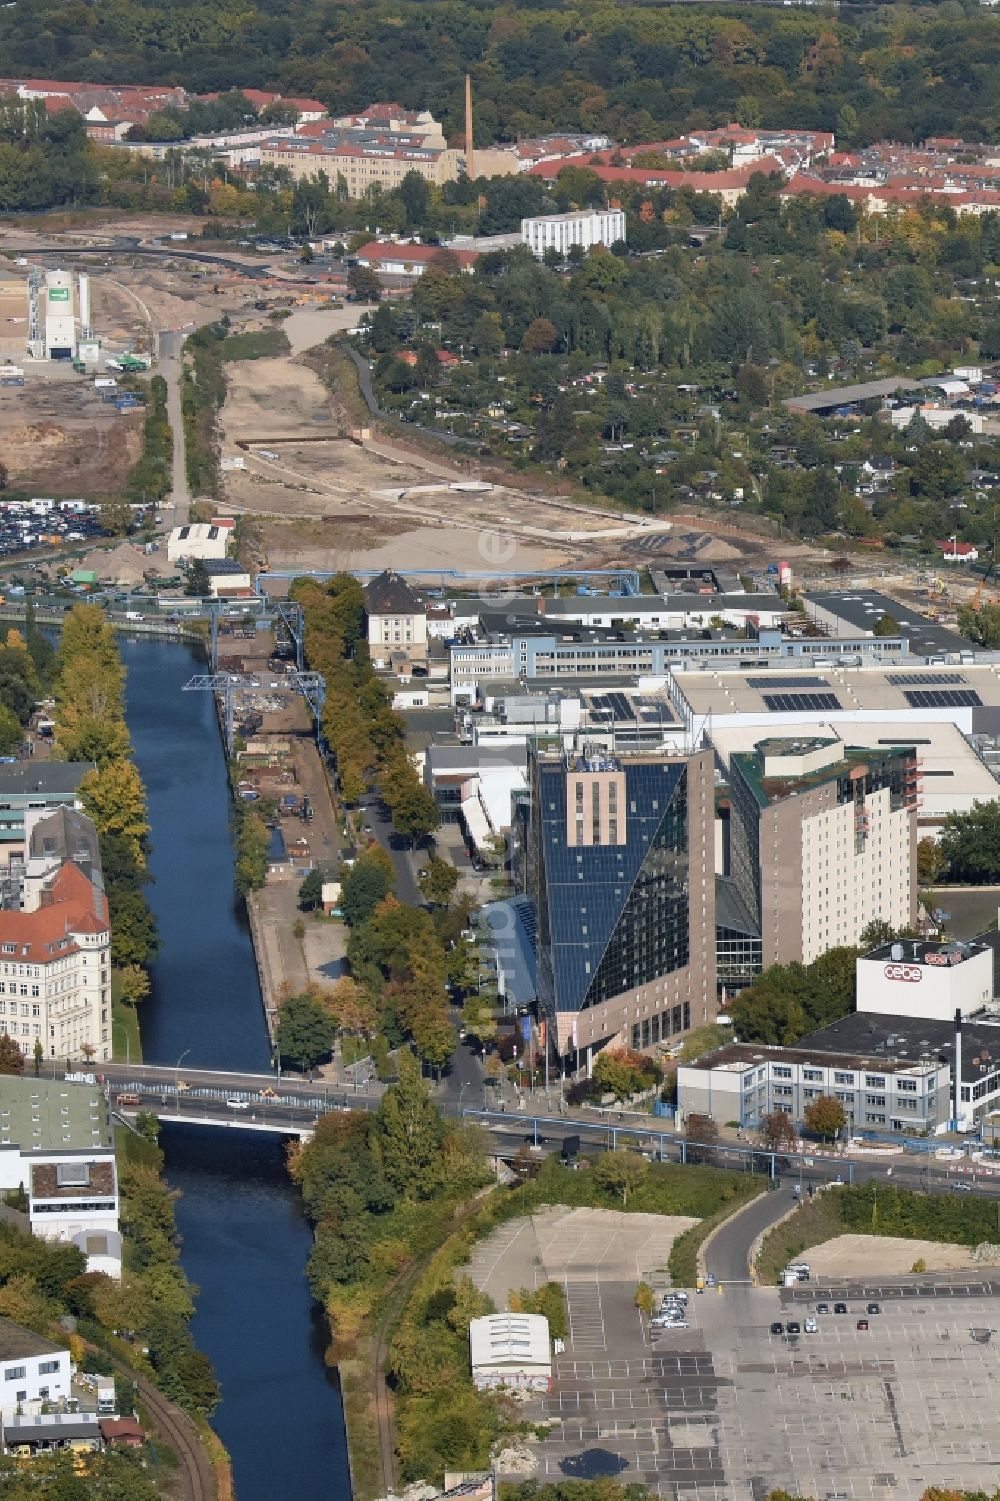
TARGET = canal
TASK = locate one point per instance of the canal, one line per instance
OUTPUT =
(245, 1239)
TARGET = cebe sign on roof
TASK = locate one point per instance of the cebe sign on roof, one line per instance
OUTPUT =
(909, 972)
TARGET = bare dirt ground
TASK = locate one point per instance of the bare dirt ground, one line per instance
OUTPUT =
(872, 1256)
(58, 438)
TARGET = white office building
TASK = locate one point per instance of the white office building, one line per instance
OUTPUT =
(32, 1370)
(560, 232)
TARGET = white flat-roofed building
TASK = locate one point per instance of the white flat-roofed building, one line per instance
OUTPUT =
(841, 696)
(928, 980)
(33, 1370)
(559, 232)
(746, 1081)
(199, 540)
(511, 1349)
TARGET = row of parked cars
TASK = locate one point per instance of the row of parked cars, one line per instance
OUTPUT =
(811, 1325)
(672, 1313)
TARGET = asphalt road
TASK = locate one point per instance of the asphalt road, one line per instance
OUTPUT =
(378, 820)
(728, 1257)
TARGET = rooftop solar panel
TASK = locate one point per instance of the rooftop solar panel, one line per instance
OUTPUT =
(943, 698)
(925, 679)
(791, 703)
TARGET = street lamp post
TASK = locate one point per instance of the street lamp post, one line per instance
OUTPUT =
(177, 1069)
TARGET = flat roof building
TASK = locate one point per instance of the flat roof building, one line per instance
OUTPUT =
(926, 979)
(861, 610)
(878, 1091)
(585, 228)
(512, 1350)
(841, 697)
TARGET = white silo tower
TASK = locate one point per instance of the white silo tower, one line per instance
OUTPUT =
(60, 324)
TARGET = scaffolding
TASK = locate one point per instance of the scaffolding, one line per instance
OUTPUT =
(36, 331)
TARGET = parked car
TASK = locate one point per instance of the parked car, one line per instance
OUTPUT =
(961, 1188)
(840, 1307)
(873, 1308)
(793, 1328)
(822, 1308)
(777, 1328)
(811, 1326)
(862, 1324)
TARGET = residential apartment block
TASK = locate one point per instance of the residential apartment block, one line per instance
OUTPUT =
(823, 841)
(560, 232)
(620, 869)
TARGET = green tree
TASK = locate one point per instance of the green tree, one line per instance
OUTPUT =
(408, 1132)
(311, 891)
(134, 984)
(363, 887)
(11, 733)
(970, 844)
(198, 582)
(116, 516)
(438, 879)
(981, 626)
(305, 1032)
(825, 1116)
(621, 1173)
(38, 1054)
(363, 284)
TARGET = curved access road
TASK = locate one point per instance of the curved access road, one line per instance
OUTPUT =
(728, 1256)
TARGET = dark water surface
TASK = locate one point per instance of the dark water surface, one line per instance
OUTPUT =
(245, 1240)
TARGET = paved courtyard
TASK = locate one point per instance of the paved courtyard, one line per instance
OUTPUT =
(726, 1410)
(575, 1246)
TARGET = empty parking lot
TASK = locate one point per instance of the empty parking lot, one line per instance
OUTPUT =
(726, 1410)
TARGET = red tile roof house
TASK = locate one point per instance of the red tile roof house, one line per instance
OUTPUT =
(394, 259)
(958, 552)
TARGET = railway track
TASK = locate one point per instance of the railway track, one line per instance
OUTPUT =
(176, 1428)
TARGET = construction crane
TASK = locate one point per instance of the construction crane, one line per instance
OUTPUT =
(977, 598)
(312, 686)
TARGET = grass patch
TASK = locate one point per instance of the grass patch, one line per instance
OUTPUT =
(256, 344)
(126, 1040)
(360, 1423)
(816, 1221)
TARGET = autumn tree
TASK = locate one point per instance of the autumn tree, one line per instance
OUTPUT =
(825, 1116)
(11, 1057)
(114, 797)
(701, 1134)
(776, 1131)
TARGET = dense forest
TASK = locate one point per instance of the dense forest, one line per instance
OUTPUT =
(636, 72)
